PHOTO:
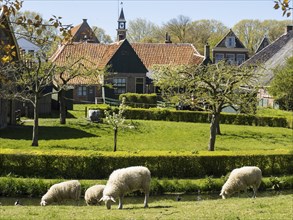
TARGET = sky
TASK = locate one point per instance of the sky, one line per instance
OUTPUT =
(104, 14)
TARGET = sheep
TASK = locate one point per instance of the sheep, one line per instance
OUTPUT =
(94, 194)
(126, 180)
(241, 179)
(61, 191)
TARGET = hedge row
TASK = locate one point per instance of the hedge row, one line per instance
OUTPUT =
(163, 165)
(202, 117)
(139, 100)
(10, 186)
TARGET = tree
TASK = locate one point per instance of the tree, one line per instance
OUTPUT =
(284, 5)
(206, 31)
(281, 86)
(72, 68)
(211, 88)
(117, 121)
(101, 35)
(179, 28)
(140, 30)
(26, 79)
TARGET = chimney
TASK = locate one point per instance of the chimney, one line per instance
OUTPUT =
(289, 28)
(168, 39)
(207, 51)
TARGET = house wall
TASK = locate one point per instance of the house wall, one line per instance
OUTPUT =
(3, 113)
(88, 94)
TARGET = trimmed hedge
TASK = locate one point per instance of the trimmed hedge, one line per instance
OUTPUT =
(162, 164)
(201, 117)
(10, 186)
(140, 100)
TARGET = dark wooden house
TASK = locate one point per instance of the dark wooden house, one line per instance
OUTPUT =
(7, 107)
(231, 49)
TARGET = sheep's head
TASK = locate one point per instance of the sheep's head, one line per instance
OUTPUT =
(43, 203)
(224, 194)
(108, 201)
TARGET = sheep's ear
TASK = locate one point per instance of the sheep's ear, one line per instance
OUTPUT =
(112, 199)
(221, 194)
(102, 199)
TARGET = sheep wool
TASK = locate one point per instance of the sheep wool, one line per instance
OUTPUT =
(62, 191)
(240, 179)
(126, 180)
(94, 194)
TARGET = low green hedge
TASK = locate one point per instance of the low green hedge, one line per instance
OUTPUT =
(98, 165)
(200, 117)
(10, 186)
(140, 100)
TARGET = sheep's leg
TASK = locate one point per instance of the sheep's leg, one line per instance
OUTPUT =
(254, 191)
(120, 202)
(146, 198)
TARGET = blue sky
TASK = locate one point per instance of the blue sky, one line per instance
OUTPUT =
(104, 14)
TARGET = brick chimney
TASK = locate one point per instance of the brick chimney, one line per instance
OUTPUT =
(207, 51)
(289, 28)
(168, 39)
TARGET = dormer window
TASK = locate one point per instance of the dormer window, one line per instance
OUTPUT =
(230, 42)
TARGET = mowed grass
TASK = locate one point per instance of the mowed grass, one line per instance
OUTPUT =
(80, 134)
(273, 207)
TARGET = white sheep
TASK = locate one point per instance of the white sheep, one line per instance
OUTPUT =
(126, 180)
(241, 179)
(62, 191)
(94, 194)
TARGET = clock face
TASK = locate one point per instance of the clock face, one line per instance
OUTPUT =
(121, 25)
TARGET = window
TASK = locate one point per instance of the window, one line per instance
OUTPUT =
(230, 42)
(119, 85)
(31, 52)
(230, 58)
(219, 57)
(240, 58)
(82, 91)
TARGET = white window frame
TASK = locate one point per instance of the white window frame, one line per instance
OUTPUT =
(230, 42)
(219, 55)
(230, 58)
(81, 91)
(119, 85)
(241, 60)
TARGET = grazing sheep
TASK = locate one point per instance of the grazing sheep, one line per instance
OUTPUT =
(61, 191)
(126, 180)
(240, 179)
(94, 194)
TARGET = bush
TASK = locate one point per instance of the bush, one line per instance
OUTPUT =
(10, 186)
(161, 164)
(140, 100)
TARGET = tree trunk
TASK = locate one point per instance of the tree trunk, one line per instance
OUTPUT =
(218, 127)
(35, 141)
(213, 131)
(62, 107)
(115, 139)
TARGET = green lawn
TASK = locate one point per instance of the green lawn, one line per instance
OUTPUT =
(81, 134)
(272, 207)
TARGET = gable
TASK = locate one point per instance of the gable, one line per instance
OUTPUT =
(83, 32)
(224, 42)
(125, 60)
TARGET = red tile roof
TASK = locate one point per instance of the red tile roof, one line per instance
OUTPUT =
(99, 55)
(161, 53)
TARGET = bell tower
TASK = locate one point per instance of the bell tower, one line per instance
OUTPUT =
(121, 31)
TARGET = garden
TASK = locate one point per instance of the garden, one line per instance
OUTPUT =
(83, 150)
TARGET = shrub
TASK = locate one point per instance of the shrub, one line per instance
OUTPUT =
(100, 165)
